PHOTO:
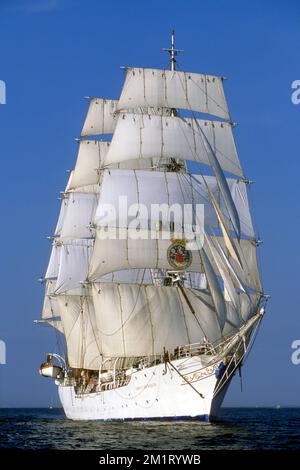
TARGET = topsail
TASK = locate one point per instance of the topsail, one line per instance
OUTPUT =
(173, 89)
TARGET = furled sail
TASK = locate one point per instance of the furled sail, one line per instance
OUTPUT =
(173, 89)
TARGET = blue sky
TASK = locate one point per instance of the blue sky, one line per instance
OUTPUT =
(55, 52)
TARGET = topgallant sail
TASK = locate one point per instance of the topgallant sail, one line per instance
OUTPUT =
(153, 278)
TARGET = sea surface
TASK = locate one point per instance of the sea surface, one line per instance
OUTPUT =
(238, 428)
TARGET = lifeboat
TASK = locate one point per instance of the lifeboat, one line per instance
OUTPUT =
(50, 370)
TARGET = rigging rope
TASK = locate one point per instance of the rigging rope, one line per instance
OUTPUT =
(182, 376)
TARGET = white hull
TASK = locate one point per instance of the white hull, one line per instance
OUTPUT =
(157, 392)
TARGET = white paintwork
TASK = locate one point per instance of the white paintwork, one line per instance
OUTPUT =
(151, 393)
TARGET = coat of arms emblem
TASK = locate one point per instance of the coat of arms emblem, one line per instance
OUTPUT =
(178, 256)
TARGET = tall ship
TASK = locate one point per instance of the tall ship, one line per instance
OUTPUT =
(153, 279)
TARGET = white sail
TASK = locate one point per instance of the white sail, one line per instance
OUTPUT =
(129, 276)
(222, 184)
(240, 304)
(90, 159)
(250, 273)
(148, 188)
(233, 320)
(61, 217)
(146, 136)
(248, 304)
(50, 307)
(215, 289)
(86, 176)
(173, 89)
(230, 293)
(53, 265)
(100, 117)
(130, 320)
(195, 281)
(78, 319)
(74, 262)
(115, 252)
(78, 216)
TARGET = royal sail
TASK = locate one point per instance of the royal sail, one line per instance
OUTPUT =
(153, 280)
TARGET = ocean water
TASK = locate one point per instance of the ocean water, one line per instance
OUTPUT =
(238, 428)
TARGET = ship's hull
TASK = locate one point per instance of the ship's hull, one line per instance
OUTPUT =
(162, 392)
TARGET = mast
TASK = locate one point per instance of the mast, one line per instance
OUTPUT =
(176, 164)
(173, 52)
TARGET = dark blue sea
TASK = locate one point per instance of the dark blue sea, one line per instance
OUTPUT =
(238, 429)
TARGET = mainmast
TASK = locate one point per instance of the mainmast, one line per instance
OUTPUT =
(176, 164)
(173, 52)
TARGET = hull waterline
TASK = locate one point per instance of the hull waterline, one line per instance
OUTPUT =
(155, 393)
